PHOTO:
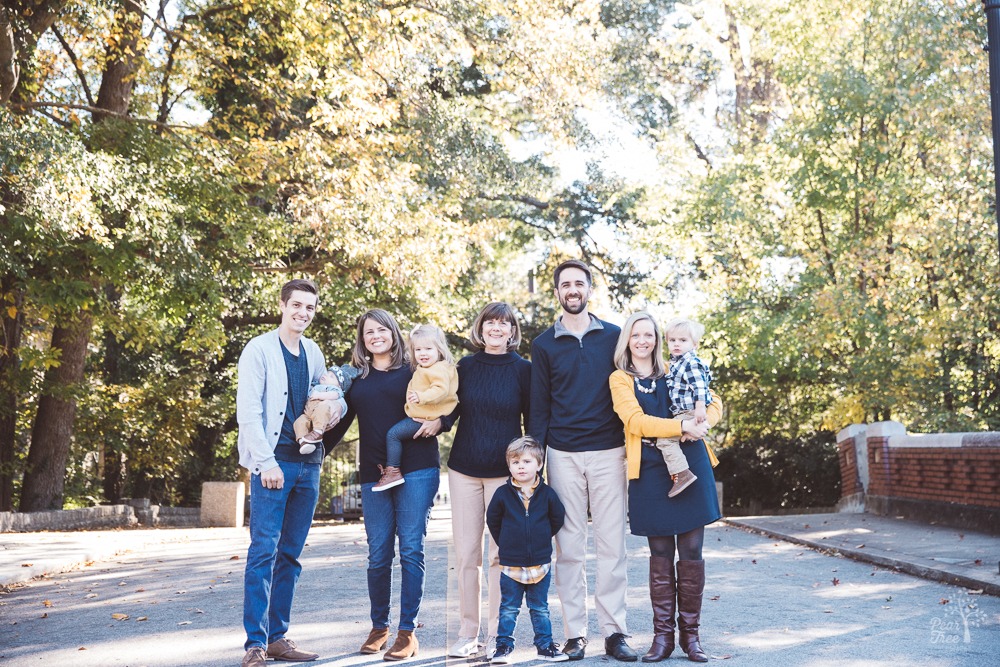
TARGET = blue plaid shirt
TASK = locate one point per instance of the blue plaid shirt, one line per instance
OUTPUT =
(688, 380)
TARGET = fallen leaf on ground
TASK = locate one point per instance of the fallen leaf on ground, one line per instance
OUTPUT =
(119, 617)
(47, 603)
(184, 623)
(836, 581)
(234, 558)
(89, 596)
(140, 590)
(860, 546)
(143, 618)
(26, 564)
(979, 561)
(945, 600)
(82, 648)
(45, 615)
(721, 657)
(714, 597)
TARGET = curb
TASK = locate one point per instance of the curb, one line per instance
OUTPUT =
(879, 558)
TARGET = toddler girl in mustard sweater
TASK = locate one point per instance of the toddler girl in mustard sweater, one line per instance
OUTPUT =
(431, 393)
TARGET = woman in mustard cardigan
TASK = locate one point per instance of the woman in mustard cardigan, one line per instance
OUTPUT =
(642, 400)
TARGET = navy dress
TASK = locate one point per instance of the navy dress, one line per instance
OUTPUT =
(650, 512)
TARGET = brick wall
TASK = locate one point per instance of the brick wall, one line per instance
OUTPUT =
(951, 478)
(969, 475)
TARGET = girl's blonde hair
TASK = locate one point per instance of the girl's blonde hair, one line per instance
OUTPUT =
(360, 357)
(623, 355)
(431, 334)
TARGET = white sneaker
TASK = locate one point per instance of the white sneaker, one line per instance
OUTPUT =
(464, 647)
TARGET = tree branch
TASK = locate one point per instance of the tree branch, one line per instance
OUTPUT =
(84, 107)
(76, 64)
(698, 150)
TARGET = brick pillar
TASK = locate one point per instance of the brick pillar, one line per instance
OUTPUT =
(880, 467)
(852, 450)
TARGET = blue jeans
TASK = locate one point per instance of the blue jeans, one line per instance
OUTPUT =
(279, 522)
(402, 512)
(537, 596)
(402, 430)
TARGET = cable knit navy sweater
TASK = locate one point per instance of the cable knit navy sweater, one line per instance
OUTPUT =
(493, 394)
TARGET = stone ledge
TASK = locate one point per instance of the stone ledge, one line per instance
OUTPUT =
(102, 516)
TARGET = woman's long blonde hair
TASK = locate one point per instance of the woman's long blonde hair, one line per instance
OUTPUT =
(623, 355)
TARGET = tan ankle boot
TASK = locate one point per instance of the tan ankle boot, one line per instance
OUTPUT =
(377, 639)
(404, 647)
(682, 480)
(391, 476)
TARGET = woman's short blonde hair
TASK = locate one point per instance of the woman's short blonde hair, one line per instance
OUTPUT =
(623, 355)
(360, 357)
(431, 334)
(497, 310)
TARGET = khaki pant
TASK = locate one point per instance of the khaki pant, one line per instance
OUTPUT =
(470, 496)
(670, 448)
(594, 480)
(316, 416)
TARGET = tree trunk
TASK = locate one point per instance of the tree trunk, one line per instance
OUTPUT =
(112, 468)
(10, 70)
(11, 297)
(53, 428)
(44, 478)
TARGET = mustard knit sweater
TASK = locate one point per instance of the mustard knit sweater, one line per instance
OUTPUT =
(437, 389)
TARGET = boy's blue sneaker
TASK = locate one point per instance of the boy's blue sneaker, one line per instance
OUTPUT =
(552, 653)
(502, 656)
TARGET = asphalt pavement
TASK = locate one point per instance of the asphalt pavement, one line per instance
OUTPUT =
(814, 590)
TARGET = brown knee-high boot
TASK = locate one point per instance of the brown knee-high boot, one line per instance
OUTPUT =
(661, 594)
(690, 586)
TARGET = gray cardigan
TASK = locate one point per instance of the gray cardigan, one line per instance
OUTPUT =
(262, 396)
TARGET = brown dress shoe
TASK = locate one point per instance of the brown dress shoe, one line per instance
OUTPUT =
(404, 647)
(255, 657)
(377, 639)
(285, 649)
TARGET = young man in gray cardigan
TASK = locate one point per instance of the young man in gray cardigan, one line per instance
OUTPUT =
(276, 370)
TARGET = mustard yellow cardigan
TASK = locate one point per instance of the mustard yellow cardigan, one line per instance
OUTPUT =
(638, 424)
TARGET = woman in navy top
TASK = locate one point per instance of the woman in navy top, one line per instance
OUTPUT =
(493, 389)
(377, 399)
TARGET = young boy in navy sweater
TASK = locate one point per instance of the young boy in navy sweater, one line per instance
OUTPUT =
(523, 516)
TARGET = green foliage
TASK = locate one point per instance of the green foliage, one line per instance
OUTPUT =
(780, 472)
(822, 201)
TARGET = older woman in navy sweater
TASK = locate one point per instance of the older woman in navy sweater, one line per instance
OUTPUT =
(493, 389)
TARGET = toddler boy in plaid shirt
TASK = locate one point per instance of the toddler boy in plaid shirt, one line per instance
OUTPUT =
(687, 380)
(523, 516)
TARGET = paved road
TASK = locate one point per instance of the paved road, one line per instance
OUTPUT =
(768, 602)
